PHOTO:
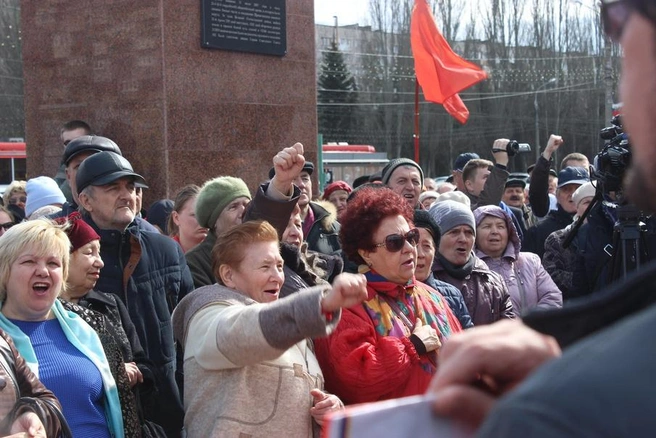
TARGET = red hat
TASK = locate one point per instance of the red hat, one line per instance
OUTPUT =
(79, 232)
(337, 185)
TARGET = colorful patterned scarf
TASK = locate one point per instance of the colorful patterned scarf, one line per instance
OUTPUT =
(414, 300)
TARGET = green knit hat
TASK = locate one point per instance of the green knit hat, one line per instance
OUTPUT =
(215, 195)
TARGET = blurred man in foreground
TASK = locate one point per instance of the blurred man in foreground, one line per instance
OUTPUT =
(489, 377)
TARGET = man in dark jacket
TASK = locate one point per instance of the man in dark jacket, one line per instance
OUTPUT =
(542, 173)
(146, 270)
(569, 179)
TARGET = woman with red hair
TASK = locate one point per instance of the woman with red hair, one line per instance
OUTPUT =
(387, 346)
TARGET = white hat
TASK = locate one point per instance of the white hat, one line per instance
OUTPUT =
(584, 191)
(428, 194)
(42, 191)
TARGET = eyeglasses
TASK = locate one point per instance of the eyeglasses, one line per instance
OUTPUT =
(14, 201)
(614, 15)
(395, 242)
(6, 225)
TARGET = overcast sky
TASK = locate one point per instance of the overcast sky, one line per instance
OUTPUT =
(347, 11)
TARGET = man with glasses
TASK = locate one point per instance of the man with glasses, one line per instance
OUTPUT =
(489, 377)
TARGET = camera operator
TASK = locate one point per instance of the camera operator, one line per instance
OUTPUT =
(569, 179)
(616, 234)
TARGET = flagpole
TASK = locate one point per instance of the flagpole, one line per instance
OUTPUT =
(416, 121)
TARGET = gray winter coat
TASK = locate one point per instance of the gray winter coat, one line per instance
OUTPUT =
(484, 291)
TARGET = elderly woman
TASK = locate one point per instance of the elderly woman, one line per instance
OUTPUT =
(498, 245)
(248, 369)
(108, 317)
(16, 194)
(386, 347)
(337, 193)
(57, 344)
(560, 262)
(429, 240)
(183, 226)
(484, 291)
(427, 198)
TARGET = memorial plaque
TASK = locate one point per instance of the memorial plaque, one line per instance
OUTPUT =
(256, 26)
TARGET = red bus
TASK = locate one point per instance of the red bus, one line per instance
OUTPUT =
(12, 163)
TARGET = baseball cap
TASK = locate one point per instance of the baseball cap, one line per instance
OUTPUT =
(103, 168)
(516, 182)
(88, 143)
(462, 159)
(572, 175)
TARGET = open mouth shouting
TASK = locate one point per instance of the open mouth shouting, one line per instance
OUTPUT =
(40, 287)
(410, 197)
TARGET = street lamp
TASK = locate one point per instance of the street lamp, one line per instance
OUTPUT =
(537, 127)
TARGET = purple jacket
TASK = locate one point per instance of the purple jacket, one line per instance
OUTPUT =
(529, 284)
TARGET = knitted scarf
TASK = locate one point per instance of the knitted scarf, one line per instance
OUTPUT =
(459, 272)
(85, 339)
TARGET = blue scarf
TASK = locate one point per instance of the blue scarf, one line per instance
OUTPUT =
(85, 339)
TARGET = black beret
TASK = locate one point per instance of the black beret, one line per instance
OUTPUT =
(88, 143)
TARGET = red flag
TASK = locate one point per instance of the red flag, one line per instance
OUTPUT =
(441, 73)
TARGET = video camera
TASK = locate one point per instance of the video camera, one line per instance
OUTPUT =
(514, 147)
(611, 162)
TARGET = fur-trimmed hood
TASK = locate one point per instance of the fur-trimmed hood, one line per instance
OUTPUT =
(328, 217)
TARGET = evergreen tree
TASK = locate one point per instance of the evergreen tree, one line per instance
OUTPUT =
(336, 85)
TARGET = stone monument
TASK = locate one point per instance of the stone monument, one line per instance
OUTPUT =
(147, 74)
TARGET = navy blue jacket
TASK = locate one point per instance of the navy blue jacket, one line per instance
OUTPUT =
(536, 235)
(454, 298)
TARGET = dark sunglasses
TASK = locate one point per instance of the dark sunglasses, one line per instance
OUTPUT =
(395, 242)
(14, 201)
(614, 15)
(6, 225)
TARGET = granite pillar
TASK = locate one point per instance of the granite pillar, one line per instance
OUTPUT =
(136, 72)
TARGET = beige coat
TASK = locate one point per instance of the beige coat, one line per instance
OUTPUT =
(248, 369)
